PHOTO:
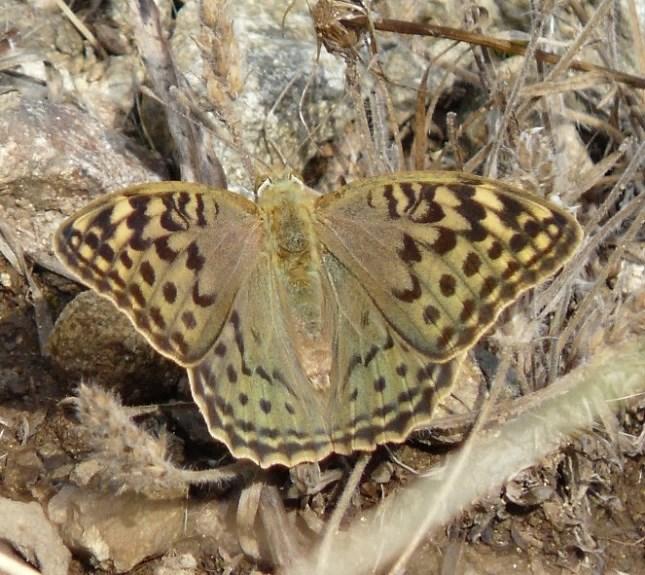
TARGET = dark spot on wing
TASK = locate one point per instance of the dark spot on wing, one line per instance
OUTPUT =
(379, 384)
(518, 242)
(126, 260)
(188, 319)
(202, 300)
(445, 242)
(447, 285)
(137, 294)
(169, 292)
(156, 317)
(411, 294)
(147, 272)
(472, 263)
(489, 285)
(409, 253)
(467, 310)
(195, 260)
(495, 250)
(431, 314)
(164, 251)
(106, 252)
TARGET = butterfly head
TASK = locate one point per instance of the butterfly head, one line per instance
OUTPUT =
(283, 189)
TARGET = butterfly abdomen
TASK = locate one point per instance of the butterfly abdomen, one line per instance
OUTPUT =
(295, 255)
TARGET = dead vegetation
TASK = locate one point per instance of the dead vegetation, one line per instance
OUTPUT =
(536, 463)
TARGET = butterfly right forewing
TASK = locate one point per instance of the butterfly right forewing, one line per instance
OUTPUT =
(442, 253)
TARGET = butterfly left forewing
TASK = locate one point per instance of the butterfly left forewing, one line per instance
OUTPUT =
(170, 255)
(442, 253)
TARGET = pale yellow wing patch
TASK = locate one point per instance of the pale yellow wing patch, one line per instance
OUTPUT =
(171, 255)
(442, 253)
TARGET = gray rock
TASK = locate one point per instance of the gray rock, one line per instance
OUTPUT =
(91, 338)
(26, 528)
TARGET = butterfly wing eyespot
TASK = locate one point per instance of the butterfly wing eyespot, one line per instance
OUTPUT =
(170, 255)
(442, 253)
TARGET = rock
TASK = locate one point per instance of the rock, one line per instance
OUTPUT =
(27, 529)
(117, 532)
(92, 339)
(120, 531)
(55, 158)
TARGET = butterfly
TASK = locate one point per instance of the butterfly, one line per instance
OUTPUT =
(312, 324)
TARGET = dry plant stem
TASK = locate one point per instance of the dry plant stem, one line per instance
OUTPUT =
(222, 71)
(391, 112)
(451, 479)
(11, 565)
(237, 138)
(610, 200)
(420, 122)
(589, 178)
(482, 59)
(247, 511)
(581, 82)
(567, 58)
(203, 118)
(556, 328)
(284, 541)
(490, 168)
(354, 87)
(219, 476)
(475, 161)
(633, 208)
(549, 296)
(501, 451)
(303, 95)
(566, 61)
(133, 460)
(10, 248)
(82, 28)
(609, 36)
(341, 508)
(424, 129)
(156, 56)
(505, 46)
(637, 34)
(582, 313)
(270, 144)
(453, 140)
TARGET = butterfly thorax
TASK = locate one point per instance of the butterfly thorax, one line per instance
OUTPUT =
(295, 257)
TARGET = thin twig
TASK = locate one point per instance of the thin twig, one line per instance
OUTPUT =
(341, 508)
(506, 46)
